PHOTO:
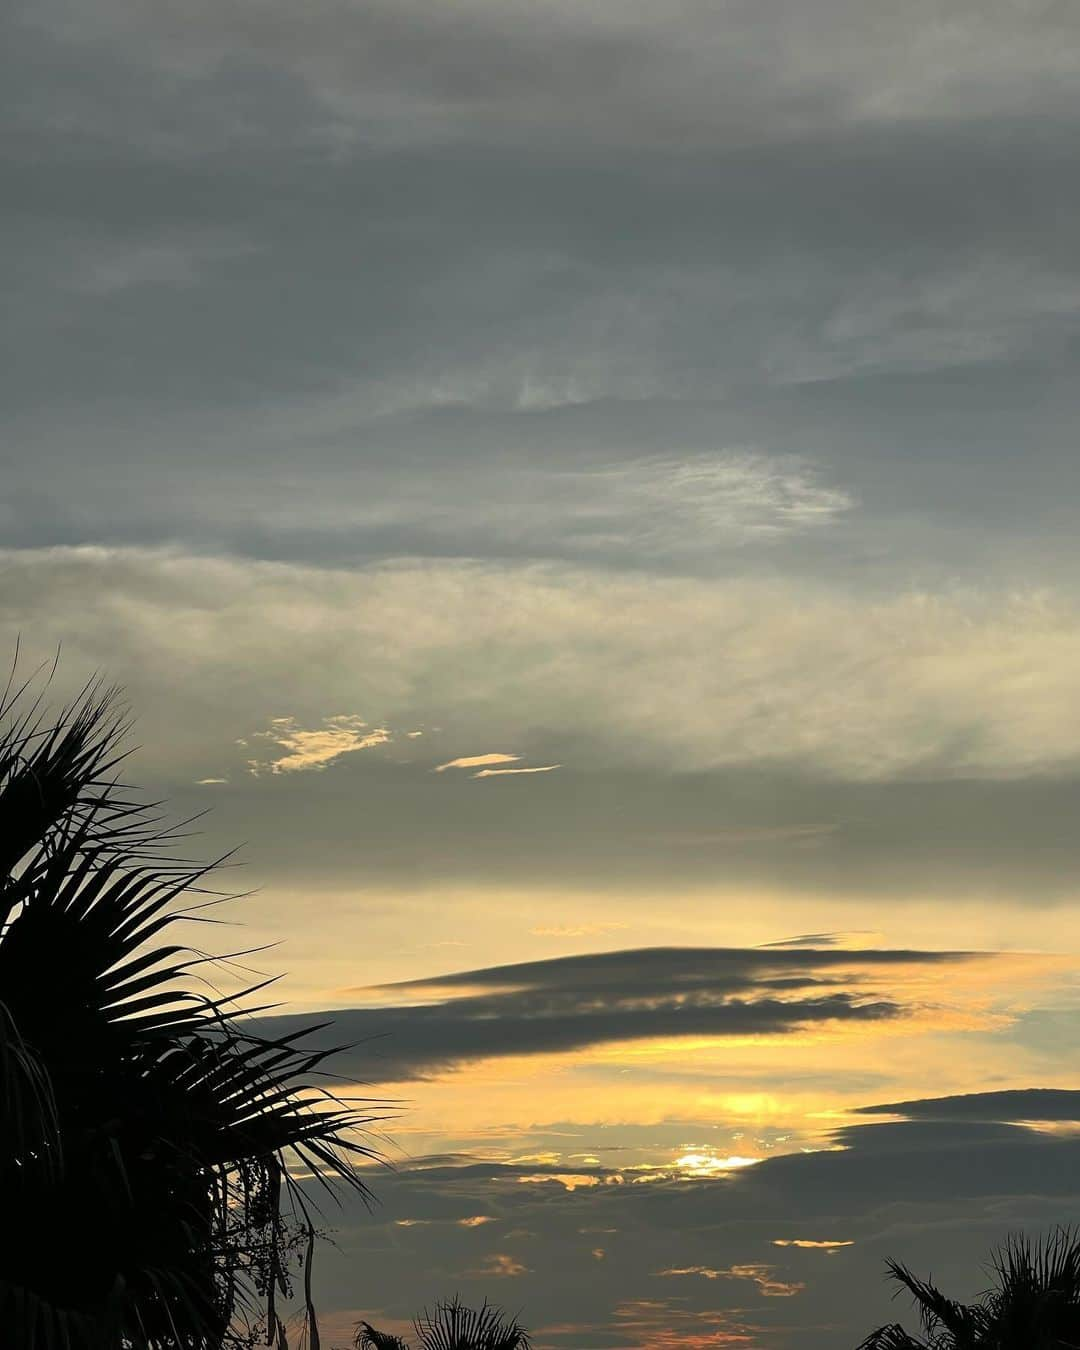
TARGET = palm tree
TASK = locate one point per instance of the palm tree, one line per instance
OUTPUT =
(451, 1326)
(151, 1143)
(1034, 1303)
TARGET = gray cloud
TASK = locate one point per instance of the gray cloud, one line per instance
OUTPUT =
(935, 1197)
(570, 1003)
(237, 252)
(661, 74)
(1017, 1105)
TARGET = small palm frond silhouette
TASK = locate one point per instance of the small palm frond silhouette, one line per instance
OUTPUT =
(1033, 1304)
(452, 1326)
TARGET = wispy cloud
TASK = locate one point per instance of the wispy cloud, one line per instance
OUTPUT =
(777, 673)
(762, 1276)
(814, 1244)
(317, 747)
(475, 761)
(672, 504)
(500, 1265)
(502, 773)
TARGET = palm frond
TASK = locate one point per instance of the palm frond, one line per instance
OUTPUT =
(891, 1337)
(367, 1338)
(453, 1326)
(148, 1192)
(938, 1312)
(1034, 1303)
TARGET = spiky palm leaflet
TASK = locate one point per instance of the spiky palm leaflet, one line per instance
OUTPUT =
(451, 1325)
(149, 1139)
(1033, 1304)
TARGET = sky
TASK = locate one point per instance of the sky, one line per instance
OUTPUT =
(585, 495)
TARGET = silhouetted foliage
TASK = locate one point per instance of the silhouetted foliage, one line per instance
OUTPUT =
(1034, 1303)
(452, 1326)
(149, 1139)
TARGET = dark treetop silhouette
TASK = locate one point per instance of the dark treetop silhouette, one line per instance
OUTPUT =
(1034, 1303)
(150, 1142)
(451, 1326)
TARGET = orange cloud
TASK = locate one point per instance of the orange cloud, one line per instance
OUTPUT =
(813, 1244)
(571, 1180)
(500, 1266)
(656, 1324)
(762, 1276)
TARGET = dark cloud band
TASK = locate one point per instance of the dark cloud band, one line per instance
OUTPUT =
(569, 1003)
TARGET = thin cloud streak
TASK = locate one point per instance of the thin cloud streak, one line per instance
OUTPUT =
(473, 761)
(502, 773)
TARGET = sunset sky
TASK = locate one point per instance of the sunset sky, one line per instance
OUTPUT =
(585, 493)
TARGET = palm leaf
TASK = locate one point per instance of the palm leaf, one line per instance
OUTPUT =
(148, 1195)
(453, 1326)
(891, 1337)
(939, 1313)
(367, 1338)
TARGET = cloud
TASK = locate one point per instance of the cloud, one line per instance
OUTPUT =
(1024, 1104)
(570, 1003)
(569, 1181)
(644, 973)
(853, 940)
(161, 262)
(708, 496)
(501, 773)
(938, 1203)
(472, 761)
(813, 1244)
(779, 673)
(500, 1266)
(319, 747)
(762, 1276)
(556, 74)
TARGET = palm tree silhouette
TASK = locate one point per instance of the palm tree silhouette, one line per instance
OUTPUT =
(451, 1326)
(150, 1140)
(1034, 1303)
